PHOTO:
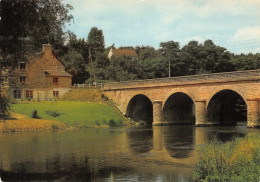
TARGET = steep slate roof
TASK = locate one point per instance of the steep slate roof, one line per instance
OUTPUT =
(58, 73)
(124, 52)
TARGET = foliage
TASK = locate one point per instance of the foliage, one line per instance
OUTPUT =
(170, 50)
(53, 113)
(146, 52)
(25, 26)
(4, 106)
(100, 65)
(114, 123)
(35, 114)
(238, 160)
(246, 62)
(76, 65)
(123, 68)
(23, 123)
(96, 41)
(77, 114)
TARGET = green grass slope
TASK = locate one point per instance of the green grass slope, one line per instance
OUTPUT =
(85, 95)
(73, 113)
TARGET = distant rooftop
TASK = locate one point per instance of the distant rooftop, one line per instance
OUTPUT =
(122, 52)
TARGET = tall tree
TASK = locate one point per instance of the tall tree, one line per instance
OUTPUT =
(96, 41)
(218, 59)
(26, 25)
(75, 64)
(170, 50)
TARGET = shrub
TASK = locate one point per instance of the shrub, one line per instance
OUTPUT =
(52, 113)
(97, 122)
(114, 123)
(238, 160)
(35, 114)
(55, 127)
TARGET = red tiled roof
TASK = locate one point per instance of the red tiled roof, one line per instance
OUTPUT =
(124, 52)
(58, 73)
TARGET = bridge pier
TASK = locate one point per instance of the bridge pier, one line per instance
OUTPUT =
(158, 113)
(253, 115)
(200, 113)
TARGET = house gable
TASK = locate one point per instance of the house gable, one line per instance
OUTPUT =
(41, 75)
(122, 52)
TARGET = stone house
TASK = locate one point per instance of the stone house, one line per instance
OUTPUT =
(42, 77)
(122, 52)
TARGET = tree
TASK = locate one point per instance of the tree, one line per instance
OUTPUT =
(170, 50)
(246, 61)
(193, 58)
(96, 42)
(75, 64)
(217, 58)
(26, 25)
(123, 68)
(146, 52)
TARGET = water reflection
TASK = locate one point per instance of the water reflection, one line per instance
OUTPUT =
(140, 140)
(180, 141)
(166, 153)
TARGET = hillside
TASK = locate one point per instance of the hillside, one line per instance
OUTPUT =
(86, 95)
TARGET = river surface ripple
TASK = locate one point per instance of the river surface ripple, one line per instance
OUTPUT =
(153, 153)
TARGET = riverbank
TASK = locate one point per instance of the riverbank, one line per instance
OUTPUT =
(20, 123)
(69, 114)
(237, 160)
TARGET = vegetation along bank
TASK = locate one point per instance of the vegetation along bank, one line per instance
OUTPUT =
(237, 160)
(79, 108)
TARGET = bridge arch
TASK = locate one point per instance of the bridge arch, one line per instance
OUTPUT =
(227, 107)
(179, 109)
(140, 108)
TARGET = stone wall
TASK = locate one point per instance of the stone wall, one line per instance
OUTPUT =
(36, 77)
(200, 88)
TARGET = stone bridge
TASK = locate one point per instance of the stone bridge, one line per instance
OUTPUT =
(219, 98)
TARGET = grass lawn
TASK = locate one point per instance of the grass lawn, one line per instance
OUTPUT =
(73, 113)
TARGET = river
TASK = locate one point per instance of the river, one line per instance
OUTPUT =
(153, 153)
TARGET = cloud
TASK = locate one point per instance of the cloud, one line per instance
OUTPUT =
(140, 22)
(246, 33)
(246, 39)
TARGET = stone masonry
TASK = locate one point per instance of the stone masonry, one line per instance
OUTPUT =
(200, 88)
(42, 77)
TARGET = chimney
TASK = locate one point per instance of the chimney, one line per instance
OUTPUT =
(46, 48)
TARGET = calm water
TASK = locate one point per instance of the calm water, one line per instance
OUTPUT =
(161, 153)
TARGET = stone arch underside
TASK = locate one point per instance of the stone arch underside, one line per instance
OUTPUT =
(140, 108)
(179, 109)
(227, 107)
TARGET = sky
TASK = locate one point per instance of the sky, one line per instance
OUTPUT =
(234, 24)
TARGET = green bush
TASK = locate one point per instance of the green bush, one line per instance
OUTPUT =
(114, 123)
(52, 113)
(97, 122)
(238, 160)
(35, 114)
(55, 127)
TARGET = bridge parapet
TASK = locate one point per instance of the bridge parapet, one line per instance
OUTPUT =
(237, 76)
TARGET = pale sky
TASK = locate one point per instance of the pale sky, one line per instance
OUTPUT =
(234, 24)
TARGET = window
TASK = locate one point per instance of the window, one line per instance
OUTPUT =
(22, 66)
(22, 79)
(29, 94)
(55, 80)
(59, 68)
(17, 94)
(55, 93)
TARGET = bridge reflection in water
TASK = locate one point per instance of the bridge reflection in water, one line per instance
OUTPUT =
(166, 153)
